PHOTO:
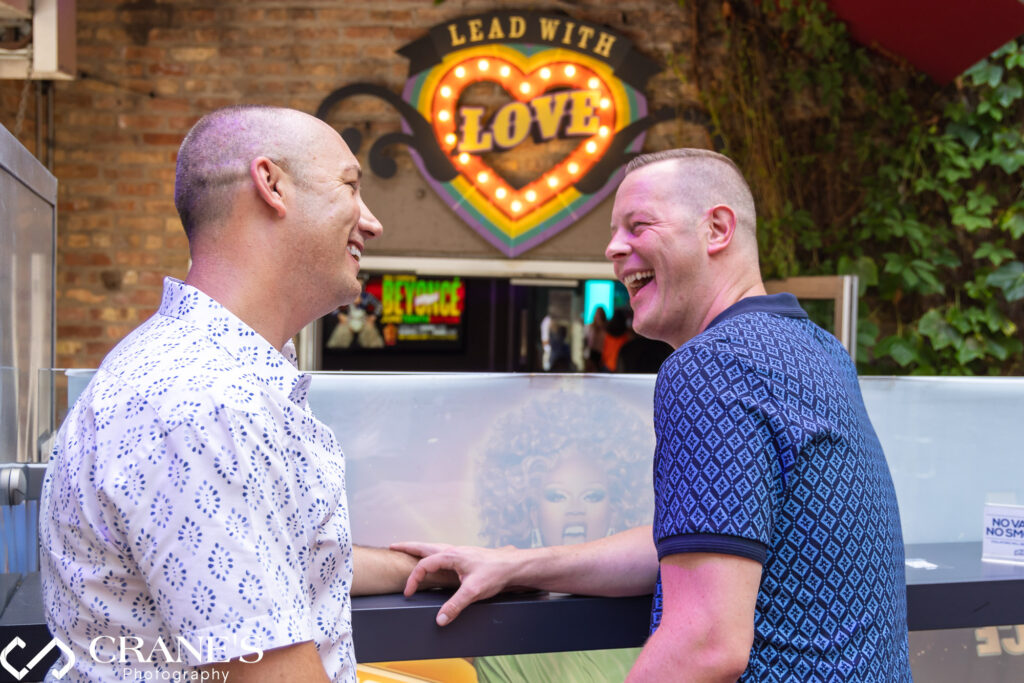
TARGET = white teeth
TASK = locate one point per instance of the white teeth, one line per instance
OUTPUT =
(634, 278)
(354, 250)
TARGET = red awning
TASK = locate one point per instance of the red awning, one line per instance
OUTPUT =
(943, 38)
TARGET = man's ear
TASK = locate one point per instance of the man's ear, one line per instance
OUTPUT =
(267, 178)
(721, 226)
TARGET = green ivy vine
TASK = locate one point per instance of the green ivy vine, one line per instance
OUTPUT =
(860, 164)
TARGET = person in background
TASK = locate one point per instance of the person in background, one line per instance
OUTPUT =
(561, 354)
(616, 335)
(191, 493)
(595, 340)
(642, 355)
(776, 552)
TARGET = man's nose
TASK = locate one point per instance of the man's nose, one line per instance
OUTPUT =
(368, 223)
(617, 246)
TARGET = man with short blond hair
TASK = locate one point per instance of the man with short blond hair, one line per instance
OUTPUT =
(777, 552)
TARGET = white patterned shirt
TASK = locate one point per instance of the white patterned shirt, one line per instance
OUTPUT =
(194, 508)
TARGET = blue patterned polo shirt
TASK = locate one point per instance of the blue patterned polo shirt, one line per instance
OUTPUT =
(764, 450)
(194, 508)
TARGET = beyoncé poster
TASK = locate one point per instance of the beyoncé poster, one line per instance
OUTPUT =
(518, 120)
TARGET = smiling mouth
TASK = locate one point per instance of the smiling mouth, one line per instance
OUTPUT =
(356, 252)
(636, 281)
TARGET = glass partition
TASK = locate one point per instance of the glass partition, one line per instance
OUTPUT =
(495, 459)
(951, 442)
(28, 239)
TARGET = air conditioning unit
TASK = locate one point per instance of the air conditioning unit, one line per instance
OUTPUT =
(37, 39)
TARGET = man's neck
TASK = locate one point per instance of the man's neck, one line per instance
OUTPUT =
(249, 294)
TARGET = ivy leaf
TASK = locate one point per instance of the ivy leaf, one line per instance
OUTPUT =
(903, 352)
(977, 289)
(1014, 225)
(969, 221)
(934, 326)
(1010, 162)
(946, 258)
(998, 323)
(972, 349)
(867, 333)
(968, 135)
(953, 175)
(928, 277)
(1009, 278)
(994, 252)
(994, 348)
(1008, 93)
(980, 202)
(986, 73)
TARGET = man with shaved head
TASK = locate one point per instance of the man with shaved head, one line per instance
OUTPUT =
(776, 552)
(194, 509)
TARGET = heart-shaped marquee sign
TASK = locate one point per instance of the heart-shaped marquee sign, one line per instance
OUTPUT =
(560, 80)
(554, 93)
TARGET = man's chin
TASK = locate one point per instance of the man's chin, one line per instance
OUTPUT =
(349, 293)
(641, 324)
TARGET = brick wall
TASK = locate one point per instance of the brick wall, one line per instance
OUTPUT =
(150, 69)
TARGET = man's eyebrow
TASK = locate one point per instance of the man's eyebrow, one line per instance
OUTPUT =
(349, 168)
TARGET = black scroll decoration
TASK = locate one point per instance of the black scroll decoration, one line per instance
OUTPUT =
(616, 154)
(422, 138)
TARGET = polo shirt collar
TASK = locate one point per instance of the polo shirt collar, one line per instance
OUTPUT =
(783, 304)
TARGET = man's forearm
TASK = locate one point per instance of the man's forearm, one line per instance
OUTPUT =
(623, 564)
(378, 570)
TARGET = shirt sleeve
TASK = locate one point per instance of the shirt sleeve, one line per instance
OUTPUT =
(716, 474)
(211, 517)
